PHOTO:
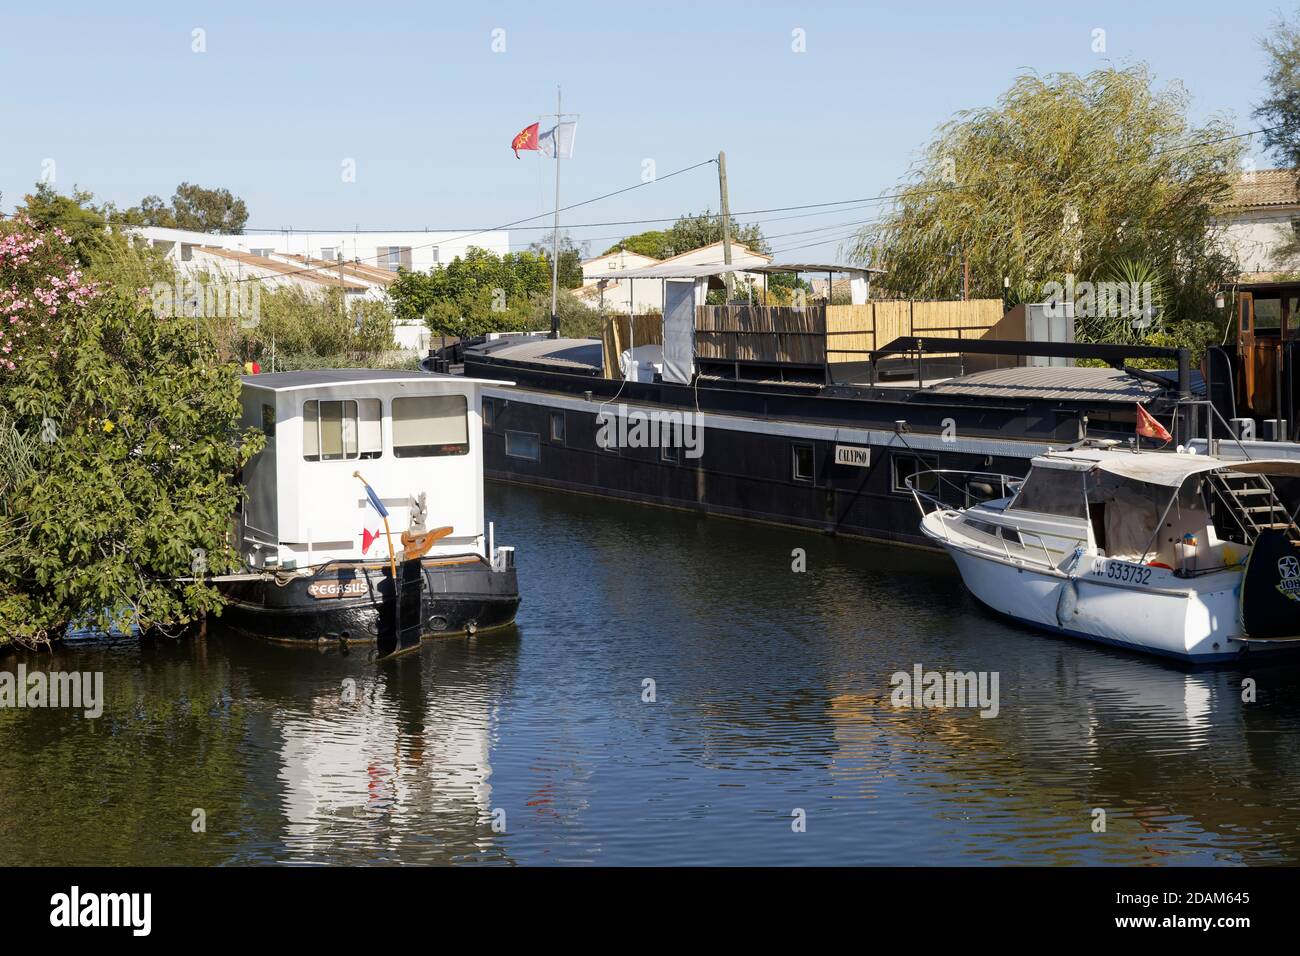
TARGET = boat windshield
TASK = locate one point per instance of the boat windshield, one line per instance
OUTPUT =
(1053, 491)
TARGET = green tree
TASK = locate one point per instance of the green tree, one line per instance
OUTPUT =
(475, 293)
(132, 432)
(654, 243)
(1280, 111)
(76, 215)
(689, 232)
(208, 210)
(570, 274)
(1067, 174)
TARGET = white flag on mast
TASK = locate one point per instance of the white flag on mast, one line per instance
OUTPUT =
(559, 138)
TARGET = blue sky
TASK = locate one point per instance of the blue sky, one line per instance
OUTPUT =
(415, 95)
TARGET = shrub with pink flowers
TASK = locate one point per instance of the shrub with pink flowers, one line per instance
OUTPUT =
(119, 441)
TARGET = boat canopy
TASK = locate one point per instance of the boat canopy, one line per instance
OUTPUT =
(1170, 469)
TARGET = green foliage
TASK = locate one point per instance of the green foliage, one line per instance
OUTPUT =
(1280, 109)
(655, 243)
(1280, 112)
(1102, 321)
(84, 220)
(195, 208)
(300, 329)
(1067, 175)
(77, 215)
(477, 293)
(577, 320)
(689, 232)
(570, 275)
(135, 430)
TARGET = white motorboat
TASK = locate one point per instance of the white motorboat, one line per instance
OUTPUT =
(1185, 555)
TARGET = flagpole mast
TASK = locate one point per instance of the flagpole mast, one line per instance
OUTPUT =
(555, 237)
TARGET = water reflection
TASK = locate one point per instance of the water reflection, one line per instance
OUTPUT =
(770, 696)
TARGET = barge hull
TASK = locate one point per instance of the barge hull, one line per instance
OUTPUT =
(351, 602)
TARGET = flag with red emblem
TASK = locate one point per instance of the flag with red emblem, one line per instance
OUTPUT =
(1148, 427)
(526, 139)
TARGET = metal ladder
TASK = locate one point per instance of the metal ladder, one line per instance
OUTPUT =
(1253, 504)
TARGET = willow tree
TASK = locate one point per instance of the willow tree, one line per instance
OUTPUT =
(1067, 175)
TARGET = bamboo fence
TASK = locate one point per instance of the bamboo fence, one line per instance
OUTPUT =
(776, 334)
(854, 330)
(617, 335)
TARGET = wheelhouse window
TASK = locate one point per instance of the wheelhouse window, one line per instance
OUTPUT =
(430, 426)
(1268, 315)
(803, 462)
(524, 445)
(1053, 491)
(268, 421)
(557, 427)
(920, 469)
(340, 430)
(489, 412)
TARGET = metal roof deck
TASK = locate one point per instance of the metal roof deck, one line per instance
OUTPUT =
(562, 353)
(1054, 383)
(317, 378)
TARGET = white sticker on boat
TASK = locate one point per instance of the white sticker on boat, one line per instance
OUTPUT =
(1124, 573)
(1289, 584)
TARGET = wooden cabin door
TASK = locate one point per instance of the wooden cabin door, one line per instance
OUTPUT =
(1246, 350)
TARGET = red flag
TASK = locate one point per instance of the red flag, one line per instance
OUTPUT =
(527, 139)
(367, 539)
(1148, 427)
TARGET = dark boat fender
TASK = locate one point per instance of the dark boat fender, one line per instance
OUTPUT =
(1270, 588)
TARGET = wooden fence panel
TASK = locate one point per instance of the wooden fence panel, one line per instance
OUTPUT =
(617, 336)
(853, 330)
(775, 334)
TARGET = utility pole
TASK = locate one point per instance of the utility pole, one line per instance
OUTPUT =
(555, 238)
(726, 221)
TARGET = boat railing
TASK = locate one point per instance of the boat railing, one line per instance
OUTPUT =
(943, 477)
(1047, 555)
(1213, 413)
(928, 501)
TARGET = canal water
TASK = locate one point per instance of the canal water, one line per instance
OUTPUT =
(768, 735)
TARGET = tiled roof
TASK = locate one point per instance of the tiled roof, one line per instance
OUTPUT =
(280, 268)
(1264, 187)
(358, 270)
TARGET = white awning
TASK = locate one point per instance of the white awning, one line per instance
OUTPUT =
(1170, 469)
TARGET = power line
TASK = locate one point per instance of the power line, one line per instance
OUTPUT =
(864, 200)
(507, 225)
(636, 221)
(523, 244)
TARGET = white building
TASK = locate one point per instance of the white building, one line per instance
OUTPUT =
(1262, 214)
(362, 264)
(602, 288)
(384, 251)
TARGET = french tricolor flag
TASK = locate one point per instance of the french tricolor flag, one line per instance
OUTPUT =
(374, 500)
